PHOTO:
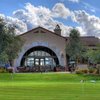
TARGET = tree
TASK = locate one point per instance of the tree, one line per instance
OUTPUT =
(74, 47)
(94, 55)
(10, 44)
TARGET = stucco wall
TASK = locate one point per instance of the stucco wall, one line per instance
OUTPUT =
(52, 41)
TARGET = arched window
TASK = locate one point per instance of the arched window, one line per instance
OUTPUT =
(39, 56)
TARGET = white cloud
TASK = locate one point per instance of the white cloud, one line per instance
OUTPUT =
(31, 16)
(42, 16)
(89, 23)
(87, 6)
(19, 25)
(74, 1)
(81, 30)
(59, 10)
(2, 16)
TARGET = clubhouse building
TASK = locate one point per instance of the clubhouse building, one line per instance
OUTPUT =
(45, 48)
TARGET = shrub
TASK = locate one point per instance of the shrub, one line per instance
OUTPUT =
(2, 70)
(83, 71)
(91, 70)
(78, 72)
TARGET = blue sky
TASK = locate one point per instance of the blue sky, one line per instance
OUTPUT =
(7, 7)
(73, 13)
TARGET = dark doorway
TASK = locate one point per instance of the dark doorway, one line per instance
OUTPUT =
(39, 56)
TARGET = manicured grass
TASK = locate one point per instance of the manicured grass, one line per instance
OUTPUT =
(49, 86)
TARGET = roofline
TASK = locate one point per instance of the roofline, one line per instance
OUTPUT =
(87, 37)
(66, 38)
(44, 29)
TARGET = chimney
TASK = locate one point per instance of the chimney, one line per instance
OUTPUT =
(57, 30)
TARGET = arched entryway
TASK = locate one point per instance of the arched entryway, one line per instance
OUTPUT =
(39, 56)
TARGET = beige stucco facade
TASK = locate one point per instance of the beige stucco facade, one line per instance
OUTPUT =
(45, 38)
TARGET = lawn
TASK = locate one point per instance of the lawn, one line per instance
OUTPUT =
(49, 86)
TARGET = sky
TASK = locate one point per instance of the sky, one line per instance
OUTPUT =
(24, 15)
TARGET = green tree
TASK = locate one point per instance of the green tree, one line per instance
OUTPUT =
(94, 55)
(10, 44)
(74, 47)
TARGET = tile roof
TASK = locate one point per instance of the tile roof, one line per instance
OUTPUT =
(86, 40)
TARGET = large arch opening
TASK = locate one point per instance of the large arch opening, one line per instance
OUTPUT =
(39, 56)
